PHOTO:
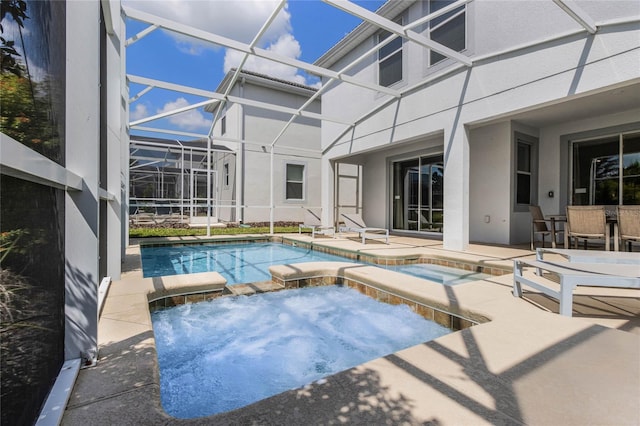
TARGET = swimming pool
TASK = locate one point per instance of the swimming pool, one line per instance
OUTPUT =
(237, 263)
(232, 351)
(440, 274)
(249, 262)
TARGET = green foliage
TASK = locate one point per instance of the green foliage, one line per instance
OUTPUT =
(25, 118)
(188, 232)
(17, 9)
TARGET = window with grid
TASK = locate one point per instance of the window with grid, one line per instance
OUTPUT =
(294, 182)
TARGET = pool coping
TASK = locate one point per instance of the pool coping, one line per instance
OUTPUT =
(125, 382)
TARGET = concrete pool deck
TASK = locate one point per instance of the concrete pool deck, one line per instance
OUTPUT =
(527, 365)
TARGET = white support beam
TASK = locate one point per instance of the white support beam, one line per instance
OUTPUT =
(220, 97)
(243, 47)
(397, 29)
(19, 161)
(219, 139)
(140, 35)
(286, 110)
(173, 112)
(140, 94)
(108, 18)
(171, 86)
(579, 15)
(245, 57)
(169, 132)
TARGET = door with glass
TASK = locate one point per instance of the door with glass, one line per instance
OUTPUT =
(606, 171)
(418, 194)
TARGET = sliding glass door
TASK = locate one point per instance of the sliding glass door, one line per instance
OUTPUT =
(606, 171)
(418, 194)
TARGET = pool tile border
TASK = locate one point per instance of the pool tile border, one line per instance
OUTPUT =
(446, 319)
(375, 259)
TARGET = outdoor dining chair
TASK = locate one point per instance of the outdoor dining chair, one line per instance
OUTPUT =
(629, 225)
(587, 223)
(539, 226)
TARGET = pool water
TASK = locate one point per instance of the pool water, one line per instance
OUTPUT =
(224, 354)
(440, 274)
(237, 263)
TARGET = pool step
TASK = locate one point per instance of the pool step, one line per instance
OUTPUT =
(252, 288)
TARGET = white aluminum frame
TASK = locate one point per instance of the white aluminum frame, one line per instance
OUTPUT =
(332, 77)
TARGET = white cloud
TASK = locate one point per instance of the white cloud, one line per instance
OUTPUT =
(235, 19)
(286, 45)
(140, 111)
(189, 120)
(238, 20)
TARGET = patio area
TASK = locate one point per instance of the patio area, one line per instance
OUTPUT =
(526, 365)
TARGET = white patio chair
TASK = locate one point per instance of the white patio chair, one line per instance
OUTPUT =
(353, 223)
(313, 221)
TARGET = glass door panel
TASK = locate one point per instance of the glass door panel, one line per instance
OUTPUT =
(595, 172)
(418, 194)
(607, 171)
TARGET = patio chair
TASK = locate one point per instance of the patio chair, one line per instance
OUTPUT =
(629, 225)
(587, 222)
(353, 223)
(571, 275)
(313, 221)
(539, 226)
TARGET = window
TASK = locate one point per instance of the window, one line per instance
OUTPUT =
(223, 125)
(33, 215)
(525, 171)
(226, 174)
(448, 30)
(295, 182)
(390, 59)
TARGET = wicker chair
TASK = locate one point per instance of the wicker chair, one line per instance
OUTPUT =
(587, 222)
(629, 225)
(539, 226)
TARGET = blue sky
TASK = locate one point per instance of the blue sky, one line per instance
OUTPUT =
(304, 30)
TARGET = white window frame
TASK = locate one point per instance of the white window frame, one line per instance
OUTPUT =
(287, 181)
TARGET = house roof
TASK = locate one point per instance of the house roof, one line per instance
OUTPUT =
(261, 78)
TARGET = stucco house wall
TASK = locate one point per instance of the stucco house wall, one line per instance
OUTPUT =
(518, 68)
(259, 128)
